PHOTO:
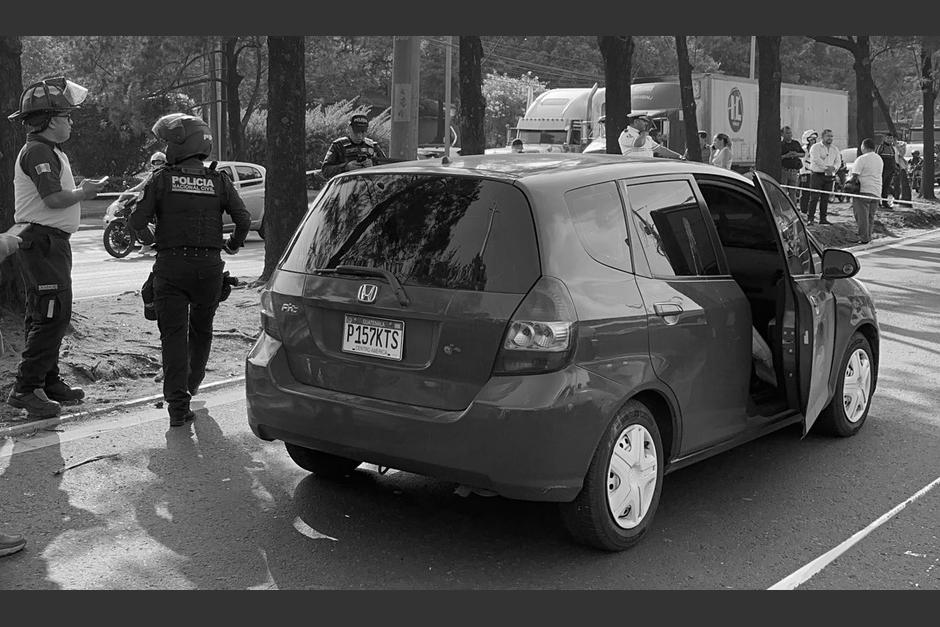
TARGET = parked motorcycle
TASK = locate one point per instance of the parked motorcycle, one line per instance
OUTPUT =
(119, 236)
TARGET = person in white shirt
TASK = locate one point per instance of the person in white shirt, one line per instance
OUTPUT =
(635, 140)
(722, 147)
(809, 138)
(868, 167)
(824, 160)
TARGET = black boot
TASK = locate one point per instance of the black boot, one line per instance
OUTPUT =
(62, 392)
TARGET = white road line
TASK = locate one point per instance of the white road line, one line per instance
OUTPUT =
(804, 574)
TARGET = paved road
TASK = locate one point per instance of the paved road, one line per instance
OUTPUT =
(212, 507)
(96, 273)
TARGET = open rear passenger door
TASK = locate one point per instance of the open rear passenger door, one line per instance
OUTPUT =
(808, 332)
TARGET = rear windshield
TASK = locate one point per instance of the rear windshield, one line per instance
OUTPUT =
(430, 230)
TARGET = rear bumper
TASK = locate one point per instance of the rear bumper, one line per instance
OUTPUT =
(525, 437)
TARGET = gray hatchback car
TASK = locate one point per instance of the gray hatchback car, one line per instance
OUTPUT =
(555, 327)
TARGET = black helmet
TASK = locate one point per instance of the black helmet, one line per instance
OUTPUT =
(49, 96)
(185, 136)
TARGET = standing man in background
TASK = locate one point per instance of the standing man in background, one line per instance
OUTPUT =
(791, 154)
(868, 166)
(635, 140)
(824, 160)
(47, 209)
(888, 154)
(353, 151)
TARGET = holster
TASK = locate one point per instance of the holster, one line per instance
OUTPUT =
(228, 282)
(146, 294)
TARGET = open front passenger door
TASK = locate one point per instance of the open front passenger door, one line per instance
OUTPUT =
(808, 332)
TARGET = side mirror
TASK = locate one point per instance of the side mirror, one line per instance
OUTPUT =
(839, 264)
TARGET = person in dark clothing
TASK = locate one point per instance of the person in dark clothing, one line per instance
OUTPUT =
(47, 208)
(888, 154)
(353, 151)
(791, 154)
(188, 200)
(9, 544)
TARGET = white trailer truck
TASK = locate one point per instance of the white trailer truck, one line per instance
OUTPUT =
(570, 119)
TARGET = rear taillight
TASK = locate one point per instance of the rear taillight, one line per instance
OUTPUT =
(541, 335)
(268, 320)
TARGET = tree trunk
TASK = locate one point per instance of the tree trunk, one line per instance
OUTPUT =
(885, 111)
(929, 89)
(860, 48)
(768, 106)
(472, 103)
(12, 290)
(285, 188)
(617, 51)
(687, 94)
(232, 80)
(864, 90)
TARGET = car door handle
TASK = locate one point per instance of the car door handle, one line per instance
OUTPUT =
(667, 309)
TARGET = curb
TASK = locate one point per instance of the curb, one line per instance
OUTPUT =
(872, 246)
(35, 425)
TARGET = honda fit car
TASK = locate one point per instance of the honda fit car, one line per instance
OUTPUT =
(555, 327)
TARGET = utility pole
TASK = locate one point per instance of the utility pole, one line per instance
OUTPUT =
(753, 53)
(405, 68)
(448, 61)
(213, 104)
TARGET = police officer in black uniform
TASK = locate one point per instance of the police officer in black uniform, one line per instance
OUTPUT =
(353, 151)
(187, 199)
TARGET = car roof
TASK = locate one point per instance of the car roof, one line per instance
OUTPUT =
(558, 167)
(234, 163)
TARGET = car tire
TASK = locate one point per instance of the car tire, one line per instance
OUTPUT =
(321, 464)
(261, 231)
(848, 409)
(621, 490)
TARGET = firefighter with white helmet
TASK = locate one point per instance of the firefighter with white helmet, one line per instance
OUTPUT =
(47, 209)
(188, 200)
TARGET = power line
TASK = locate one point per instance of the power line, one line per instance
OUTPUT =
(559, 72)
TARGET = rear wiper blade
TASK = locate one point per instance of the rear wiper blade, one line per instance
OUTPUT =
(373, 272)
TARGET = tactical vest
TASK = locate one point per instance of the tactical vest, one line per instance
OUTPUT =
(188, 206)
(355, 152)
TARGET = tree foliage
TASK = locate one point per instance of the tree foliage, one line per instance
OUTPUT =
(506, 99)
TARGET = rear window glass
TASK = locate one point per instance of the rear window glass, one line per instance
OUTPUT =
(429, 230)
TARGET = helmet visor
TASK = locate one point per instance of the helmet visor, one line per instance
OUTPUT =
(73, 93)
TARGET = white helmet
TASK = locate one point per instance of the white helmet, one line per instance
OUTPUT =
(157, 159)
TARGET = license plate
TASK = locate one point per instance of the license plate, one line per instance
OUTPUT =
(377, 337)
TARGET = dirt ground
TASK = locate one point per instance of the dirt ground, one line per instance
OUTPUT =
(113, 352)
(900, 221)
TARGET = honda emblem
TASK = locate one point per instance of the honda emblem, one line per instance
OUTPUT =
(368, 292)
